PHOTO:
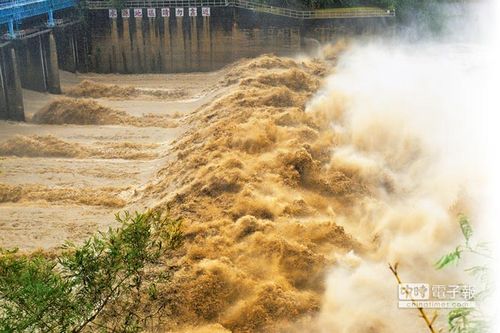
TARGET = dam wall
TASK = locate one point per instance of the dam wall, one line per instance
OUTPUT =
(157, 40)
(72, 46)
(154, 43)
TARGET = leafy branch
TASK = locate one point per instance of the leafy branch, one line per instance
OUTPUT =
(453, 257)
(70, 292)
(465, 320)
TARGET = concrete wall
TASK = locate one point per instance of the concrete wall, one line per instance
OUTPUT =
(72, 47)
(39, 68)
(180, 44)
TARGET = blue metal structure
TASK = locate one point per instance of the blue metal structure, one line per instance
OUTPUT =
(13, 11)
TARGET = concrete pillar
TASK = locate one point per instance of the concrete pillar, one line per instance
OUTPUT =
(4, 111)
(11, 94)
(179, 47)
(139, 47)
(52, 66)
(166, 47)
(50, 21)
(143, 43)
(116, 55)
(206, 45)
(153, 47)
(10, 29)
(127, 47)
(194, 55)
(73, 60)
(16, 109)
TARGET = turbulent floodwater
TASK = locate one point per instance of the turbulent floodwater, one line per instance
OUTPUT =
(81, 157)
(297, 179)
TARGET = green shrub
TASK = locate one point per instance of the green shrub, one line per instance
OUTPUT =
(466, 320)
(70, 292)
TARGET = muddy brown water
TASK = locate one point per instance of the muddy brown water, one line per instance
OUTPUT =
(40, 194)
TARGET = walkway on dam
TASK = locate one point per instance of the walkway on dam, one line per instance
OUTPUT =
(330, 13)
(18, 10)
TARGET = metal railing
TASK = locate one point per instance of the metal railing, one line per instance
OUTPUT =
(21, 9)
(254, 6)
(313, 14)
(16, 3)
(105, 4)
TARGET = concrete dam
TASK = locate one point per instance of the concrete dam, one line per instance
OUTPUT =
(160, 37)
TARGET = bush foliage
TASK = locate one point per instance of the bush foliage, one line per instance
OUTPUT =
(68, 293)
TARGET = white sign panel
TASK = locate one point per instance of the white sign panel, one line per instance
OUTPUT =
(126, 13)
(137, 12)
(179, 11)
(113, 13)
(205, 11)
(151, 12)
(193, 11)
(165, 12)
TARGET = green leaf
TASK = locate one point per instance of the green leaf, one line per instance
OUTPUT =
(466, 227)
(457, 319)
(450, 258)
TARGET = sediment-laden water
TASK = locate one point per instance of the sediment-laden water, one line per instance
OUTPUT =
(298, 181)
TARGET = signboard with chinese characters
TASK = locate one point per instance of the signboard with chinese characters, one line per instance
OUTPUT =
(151, 12)
(165, 12)
(193, 12)
(137, 12)
(113, 13)
(179, 12)
(205, 11)
(126, 13)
